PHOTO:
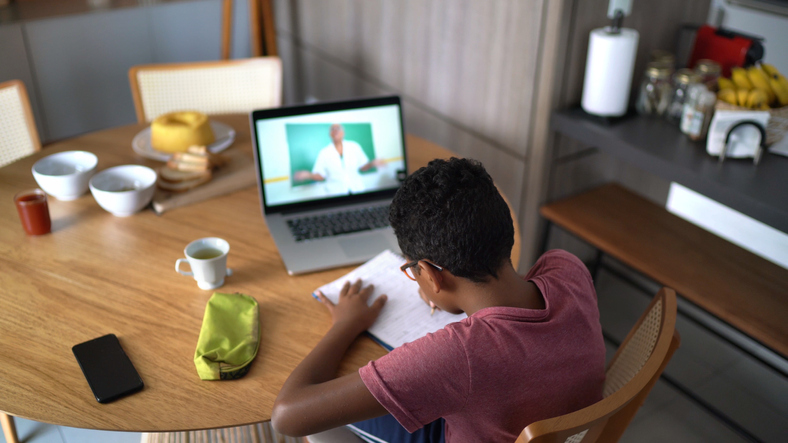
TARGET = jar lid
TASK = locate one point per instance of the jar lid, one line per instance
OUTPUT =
(686, 76)
(660, 55)
(706, 66)
(659, 70)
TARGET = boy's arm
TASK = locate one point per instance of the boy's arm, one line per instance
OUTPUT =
(312, 400)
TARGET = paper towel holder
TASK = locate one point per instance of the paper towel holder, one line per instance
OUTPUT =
(625, 6)
(616, 11)
(610, 64)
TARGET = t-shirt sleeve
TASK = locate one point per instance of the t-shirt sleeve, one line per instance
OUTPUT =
(422, 380)
(560, 264)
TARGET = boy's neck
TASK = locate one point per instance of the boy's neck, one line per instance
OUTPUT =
(508, 290)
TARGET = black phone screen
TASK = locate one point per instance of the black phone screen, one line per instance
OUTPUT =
(107, 368)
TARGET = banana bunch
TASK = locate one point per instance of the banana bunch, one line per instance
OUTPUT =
(754, 87)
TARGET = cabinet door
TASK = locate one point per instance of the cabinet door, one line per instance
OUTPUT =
(81, 64)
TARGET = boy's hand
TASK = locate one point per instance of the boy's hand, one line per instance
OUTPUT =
(352, 309)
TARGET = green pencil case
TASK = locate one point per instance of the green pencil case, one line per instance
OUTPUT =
(229, 337)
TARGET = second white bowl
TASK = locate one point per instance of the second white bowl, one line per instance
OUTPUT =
(124, 190)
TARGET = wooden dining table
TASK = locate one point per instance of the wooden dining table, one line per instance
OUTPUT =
(97, 274)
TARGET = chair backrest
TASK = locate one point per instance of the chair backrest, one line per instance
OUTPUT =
(18, 133)
(262, 28)
(631, 374)
(227, 28)
(214, 87)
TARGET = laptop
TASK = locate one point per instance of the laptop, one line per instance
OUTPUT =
(326, 174)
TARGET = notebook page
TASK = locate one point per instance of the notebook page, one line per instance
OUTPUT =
(405, 317)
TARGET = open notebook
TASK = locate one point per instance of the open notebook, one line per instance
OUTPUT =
(405, 317)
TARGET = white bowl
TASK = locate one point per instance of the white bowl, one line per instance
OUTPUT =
(124, 190)
(65, 175)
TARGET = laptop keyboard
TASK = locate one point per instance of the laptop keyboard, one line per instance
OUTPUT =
(338, 223)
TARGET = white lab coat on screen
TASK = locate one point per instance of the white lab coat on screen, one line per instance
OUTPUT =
(341, 173)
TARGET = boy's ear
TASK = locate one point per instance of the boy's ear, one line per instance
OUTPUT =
(434, 276)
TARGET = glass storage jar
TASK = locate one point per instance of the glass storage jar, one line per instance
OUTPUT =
(698, 110)
(655, 90)
(710, 71)
(682, 80)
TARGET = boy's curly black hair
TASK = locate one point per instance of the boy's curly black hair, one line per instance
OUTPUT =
(451, 213)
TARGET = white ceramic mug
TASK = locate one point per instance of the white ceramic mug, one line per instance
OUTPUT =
(207, 258)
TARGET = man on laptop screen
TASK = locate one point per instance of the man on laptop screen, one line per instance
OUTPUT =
(339, 165)
(327, 173)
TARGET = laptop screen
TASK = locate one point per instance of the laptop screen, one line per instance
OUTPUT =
(329, 152)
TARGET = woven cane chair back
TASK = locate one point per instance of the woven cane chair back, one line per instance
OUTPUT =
(18, 134)
(217, 87)
(633, 356)
(630, 375)
(255, 433)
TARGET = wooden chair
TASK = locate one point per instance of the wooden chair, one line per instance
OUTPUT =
(341, 434)
(214, 87)
(18, 138)
(254, 433)
(227, 28)
(9, 428)
(263, 33)
(631, 374)
(18, 134)
(263, 30)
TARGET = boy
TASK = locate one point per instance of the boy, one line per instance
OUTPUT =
(531, 348)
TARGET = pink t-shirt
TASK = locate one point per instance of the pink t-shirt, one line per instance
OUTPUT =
(495, 372)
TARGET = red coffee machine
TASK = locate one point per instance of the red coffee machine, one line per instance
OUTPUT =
(726, 47)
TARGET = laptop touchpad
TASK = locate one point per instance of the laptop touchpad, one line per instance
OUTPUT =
(367, 245)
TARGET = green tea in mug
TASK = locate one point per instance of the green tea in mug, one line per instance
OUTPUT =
(207, 254)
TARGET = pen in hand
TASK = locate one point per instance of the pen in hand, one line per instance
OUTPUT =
(433, 306)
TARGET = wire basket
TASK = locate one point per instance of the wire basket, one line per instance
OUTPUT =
(778, 120)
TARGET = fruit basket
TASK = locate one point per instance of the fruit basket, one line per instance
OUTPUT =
(757, 89)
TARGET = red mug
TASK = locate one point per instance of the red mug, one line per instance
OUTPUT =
(33, 211)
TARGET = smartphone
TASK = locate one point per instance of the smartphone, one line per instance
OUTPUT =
(107, 368)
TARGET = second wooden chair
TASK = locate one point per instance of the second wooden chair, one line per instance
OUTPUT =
(213, 87)
(18, 134)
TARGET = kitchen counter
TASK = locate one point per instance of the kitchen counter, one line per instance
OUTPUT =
(657, 146)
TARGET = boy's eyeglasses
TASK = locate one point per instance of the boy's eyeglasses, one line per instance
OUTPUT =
(407, 268)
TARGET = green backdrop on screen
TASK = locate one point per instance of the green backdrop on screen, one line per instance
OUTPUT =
(305, 140)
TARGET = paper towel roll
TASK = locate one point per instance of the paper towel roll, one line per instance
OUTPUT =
(611, 60)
